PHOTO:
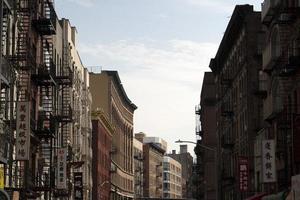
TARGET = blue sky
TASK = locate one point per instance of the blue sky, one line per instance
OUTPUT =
(160, 48)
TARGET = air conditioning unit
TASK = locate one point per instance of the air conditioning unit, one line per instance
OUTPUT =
(113, 168)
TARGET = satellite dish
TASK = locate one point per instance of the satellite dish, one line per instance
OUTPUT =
(4, 195)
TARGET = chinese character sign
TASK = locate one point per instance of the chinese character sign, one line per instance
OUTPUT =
(78, 186)
(268, 161)
(23, 131)
(243, 174)
(62, 168)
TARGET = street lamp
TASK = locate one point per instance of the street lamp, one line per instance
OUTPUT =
(213, 149)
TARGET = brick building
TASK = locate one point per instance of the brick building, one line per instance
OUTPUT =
(279, 83)
(208, 136)
(138, 168)
(236, 69)
(102, 141)
(109, 95)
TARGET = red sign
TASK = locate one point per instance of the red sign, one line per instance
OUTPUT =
(243, 174)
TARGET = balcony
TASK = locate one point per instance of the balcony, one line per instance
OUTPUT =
(46, 24)
(227, 142)
(262, 90)
(272, 106)
(271, 55)
(290, 68)
(268, 10)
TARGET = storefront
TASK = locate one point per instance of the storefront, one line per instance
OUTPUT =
(256, 197)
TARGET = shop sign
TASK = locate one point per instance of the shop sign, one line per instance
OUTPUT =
(243, 174)
(62, 168)
(78, 186)
(296, 187)
(268, 161)
(1, 177)
(23, 131)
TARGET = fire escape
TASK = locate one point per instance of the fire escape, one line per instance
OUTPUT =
(43, 76)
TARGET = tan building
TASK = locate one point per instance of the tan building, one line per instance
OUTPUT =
(154, 149)
(172, 180)
(109, 95)
(138, 168)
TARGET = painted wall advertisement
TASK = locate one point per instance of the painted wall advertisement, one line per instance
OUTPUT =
(62, 168)
(268, 161)
(243, 174)
(23, 131)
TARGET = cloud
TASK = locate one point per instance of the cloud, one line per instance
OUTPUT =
(84, 3)
(181, 57)
(160, 78)
(214, 6)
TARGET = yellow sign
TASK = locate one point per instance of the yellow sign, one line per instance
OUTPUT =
(1, 178)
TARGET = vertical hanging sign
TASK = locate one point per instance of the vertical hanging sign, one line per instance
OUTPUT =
(78, 186)
(268, 161)
(62, 168)
(23, 131)
(1, 177)
(243, 174)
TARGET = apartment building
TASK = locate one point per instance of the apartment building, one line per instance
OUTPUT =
(138, 168)
(109, 95)
(236, 69)
(186, 161)
(37, 104)
(172, 185)
(279, 84)
(103, 132)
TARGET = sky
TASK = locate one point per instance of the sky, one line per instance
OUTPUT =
(161, 49)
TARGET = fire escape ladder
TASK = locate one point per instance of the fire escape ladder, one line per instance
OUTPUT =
(44, 176)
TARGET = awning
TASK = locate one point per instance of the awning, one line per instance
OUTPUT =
(256, 197)
(278, 196)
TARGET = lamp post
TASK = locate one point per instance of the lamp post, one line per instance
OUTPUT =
(214, 150)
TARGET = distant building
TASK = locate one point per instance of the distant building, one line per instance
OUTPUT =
(172, 186)
(102, 141)
(154, 149)
(109, 96)
(138, 168)
(186, 161)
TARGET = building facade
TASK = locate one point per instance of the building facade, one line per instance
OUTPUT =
(38, 73)
(109, 95)
(186, 161)
(236, 70)
(172, 185)
(279, 83)
(102, 141)
(209, 136)
(154, 149)
(138, 168)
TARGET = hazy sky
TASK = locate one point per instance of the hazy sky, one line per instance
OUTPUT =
(160, 49)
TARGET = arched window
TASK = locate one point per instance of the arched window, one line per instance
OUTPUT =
(275, 44)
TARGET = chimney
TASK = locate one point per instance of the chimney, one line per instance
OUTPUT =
(183, 148)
